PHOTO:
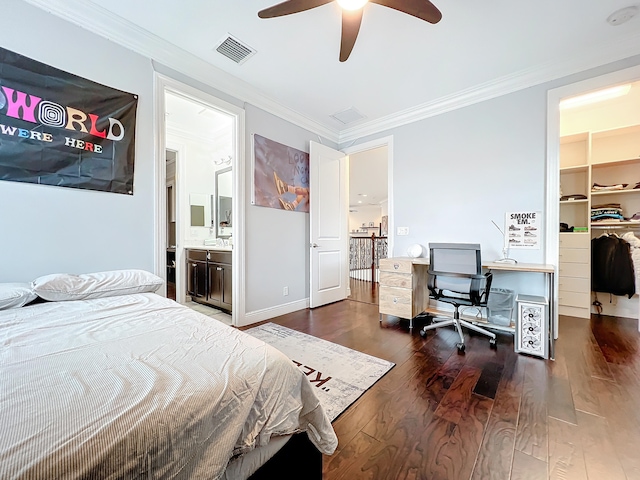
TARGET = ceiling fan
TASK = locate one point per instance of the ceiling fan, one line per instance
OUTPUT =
(352, 15)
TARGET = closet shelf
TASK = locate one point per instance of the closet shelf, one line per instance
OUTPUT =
(616, 192)
(574, 169)
(615, 225)
(581, 200)
(615, 163)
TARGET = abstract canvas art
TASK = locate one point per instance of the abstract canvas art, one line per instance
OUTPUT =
(281, 176)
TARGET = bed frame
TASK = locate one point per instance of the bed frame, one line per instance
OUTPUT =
(299, 458)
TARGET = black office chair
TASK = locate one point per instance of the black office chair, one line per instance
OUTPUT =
(455, 277)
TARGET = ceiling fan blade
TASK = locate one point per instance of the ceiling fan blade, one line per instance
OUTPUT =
(422, 9)
(291, 6)
(351, 20)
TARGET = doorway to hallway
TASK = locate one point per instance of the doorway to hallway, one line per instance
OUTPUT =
(368, 220)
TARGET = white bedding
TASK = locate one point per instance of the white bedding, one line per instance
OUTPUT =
(139, 386)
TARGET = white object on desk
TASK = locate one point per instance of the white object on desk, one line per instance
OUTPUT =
(415, 251)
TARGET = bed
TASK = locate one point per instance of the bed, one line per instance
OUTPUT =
(124, 383)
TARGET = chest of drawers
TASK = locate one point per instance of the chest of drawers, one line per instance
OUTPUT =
(574, 275)
(403, 289)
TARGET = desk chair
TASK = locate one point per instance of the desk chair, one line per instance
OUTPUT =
(455, 277)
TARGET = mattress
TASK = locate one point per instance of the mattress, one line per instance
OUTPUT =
(138, 385)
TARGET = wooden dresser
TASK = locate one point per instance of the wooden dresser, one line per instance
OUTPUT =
(403, 287)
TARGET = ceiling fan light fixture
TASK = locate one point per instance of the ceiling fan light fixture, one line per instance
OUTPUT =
(352, 4)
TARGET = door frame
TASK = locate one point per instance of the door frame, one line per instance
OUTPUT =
(370, 145)
(554, 96)
(164, 84)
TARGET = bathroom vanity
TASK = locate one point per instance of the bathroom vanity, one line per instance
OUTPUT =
(209, 276)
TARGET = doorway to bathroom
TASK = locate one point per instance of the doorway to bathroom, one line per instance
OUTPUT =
(201, 192)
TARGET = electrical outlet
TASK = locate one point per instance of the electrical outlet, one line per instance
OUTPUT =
(403, 230)
(285, 291)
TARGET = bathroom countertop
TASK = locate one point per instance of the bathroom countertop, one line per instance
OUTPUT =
(209, 247)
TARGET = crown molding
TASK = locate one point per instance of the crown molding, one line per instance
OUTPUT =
(114, 28)
(579, 62)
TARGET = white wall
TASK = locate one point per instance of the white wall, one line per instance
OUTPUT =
(456, 172)
(277, 241)
(49, 229)
(365, 214)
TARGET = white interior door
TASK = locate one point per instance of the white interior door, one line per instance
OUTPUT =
(328, 207)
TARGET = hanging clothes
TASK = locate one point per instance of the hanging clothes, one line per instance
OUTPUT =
(611, 266)
(634, 244)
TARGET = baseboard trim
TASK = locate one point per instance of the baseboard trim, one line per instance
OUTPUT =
(271, 312)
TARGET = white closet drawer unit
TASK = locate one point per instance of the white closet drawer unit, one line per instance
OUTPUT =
(574, 274)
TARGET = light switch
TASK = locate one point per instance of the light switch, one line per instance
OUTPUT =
(403, 230)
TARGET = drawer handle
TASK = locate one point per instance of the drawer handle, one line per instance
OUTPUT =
(395, 300)
(396, 266)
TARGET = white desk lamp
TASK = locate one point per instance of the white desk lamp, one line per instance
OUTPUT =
(505, 248)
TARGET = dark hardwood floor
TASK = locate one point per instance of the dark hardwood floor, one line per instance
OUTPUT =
(363, 291)
(487, 414)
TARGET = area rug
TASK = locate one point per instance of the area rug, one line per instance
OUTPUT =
(341, 375)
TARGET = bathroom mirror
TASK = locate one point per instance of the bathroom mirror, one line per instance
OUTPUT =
(223, 202)
(199, 204)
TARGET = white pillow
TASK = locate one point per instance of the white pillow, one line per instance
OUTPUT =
(14, 295)
(64, 286)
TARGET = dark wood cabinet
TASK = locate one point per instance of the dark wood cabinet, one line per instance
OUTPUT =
(197, 274)
(209, 278)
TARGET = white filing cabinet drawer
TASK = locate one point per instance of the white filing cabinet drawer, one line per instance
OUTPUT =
(532, 326)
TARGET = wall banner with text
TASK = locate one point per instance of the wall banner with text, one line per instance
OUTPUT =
(523, 230)
(60, 129)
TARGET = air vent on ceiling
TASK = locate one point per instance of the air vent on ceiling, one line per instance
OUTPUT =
(347, 116)
(234, 49)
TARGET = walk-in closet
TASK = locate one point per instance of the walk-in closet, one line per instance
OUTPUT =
(599, 264)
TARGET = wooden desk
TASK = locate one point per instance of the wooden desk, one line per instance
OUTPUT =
(403, 287)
